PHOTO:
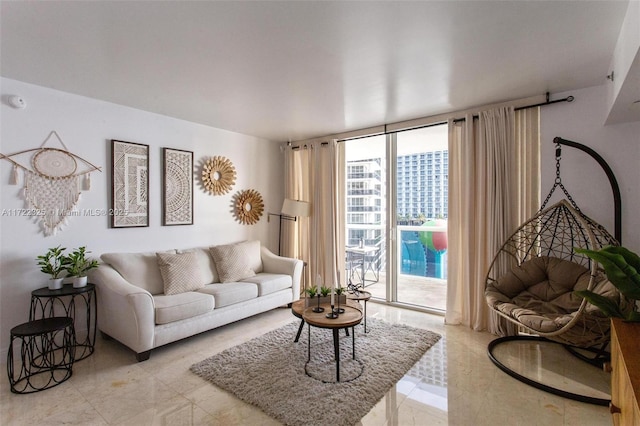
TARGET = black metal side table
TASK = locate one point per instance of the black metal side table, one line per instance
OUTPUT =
(44, 300)
(46, 354)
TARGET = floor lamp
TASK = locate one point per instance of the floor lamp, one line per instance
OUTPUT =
(291, 210)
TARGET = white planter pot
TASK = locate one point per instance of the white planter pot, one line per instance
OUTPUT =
(79, 282)
(55, 283)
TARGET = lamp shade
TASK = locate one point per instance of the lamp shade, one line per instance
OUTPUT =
(296, 208)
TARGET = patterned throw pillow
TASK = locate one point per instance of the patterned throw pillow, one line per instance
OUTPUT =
(181, 272)
(232, 262)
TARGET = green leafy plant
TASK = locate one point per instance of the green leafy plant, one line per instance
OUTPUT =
(621, 266)
(325, 291)
(78, 264)
(339, 290)
(311, 291)
(53, 262)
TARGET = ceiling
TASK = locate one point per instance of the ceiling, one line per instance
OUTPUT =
(296, 70)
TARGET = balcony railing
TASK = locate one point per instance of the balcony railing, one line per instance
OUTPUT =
(422, 250)
(364, 192)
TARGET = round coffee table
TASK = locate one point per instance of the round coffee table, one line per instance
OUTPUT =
(351, 317)
(298, 307)
(358, 296)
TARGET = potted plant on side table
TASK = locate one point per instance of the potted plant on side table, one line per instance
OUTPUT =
(53, 262)
(78, 266)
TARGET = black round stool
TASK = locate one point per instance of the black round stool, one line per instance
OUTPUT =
(46, 354)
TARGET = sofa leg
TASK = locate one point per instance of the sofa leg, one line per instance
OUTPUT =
(143, 356)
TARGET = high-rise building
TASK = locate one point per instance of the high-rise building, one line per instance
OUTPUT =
(365, 206)
(422, 185)
(422, 194)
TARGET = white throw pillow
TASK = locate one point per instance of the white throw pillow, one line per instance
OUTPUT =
(206, 262)
(252, 254)
(232, 262)
(181, 272)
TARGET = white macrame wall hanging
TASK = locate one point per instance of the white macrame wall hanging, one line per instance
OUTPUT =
(51, 185)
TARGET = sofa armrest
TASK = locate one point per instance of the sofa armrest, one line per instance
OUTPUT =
(274, 264)
(125, 312)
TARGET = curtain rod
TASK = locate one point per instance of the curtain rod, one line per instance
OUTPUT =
(457, 120)
(547, 102)
(304, 146)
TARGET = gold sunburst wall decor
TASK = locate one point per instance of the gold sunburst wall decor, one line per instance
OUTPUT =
(218, 175)
(248, 206)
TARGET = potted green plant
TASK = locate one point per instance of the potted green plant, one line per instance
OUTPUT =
(340, 292)
(622, 267)
(53, 262)
(325, 291)
(78, 266)
(311, 291)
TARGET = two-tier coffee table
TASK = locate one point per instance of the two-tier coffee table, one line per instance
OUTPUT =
(360, 295)
(351, 317)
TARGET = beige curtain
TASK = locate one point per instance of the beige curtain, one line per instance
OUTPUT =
(493, 188)
(315, 172)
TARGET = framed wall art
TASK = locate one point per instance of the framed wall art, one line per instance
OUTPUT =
(177, 188)
(129, 184)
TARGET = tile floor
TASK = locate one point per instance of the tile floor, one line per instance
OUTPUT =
(454, 384)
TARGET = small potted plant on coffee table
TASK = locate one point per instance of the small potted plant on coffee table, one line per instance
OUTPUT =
(325, 291)
(78, 266)
(53, 262)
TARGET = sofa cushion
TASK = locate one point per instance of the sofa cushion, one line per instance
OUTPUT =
(230, 293)
(210, 274)
(140, 269)
(181, 272)
(232, 262)
(181, 306)
(252, 254)
(270, 283)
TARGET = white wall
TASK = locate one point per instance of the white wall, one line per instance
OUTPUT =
(87, 126)
(582, 121)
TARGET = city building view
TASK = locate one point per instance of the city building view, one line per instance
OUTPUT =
(420, 180)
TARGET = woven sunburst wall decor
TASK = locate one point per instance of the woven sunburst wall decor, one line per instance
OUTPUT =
(218, 175)
(248, 206)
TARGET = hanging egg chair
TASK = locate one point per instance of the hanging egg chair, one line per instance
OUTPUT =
(532, 281)
(533, 277)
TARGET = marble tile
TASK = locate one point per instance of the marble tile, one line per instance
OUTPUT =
(455, 383)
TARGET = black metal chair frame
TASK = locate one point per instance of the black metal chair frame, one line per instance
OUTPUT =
(582, 232)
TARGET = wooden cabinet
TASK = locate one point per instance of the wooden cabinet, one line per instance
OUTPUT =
(625, 374)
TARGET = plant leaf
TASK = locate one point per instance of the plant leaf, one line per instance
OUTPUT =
(621, 273)
(633, 316)
(630, 257)
(607, 306)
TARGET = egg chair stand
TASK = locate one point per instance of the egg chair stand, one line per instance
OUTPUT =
(532, 279)
(598, 354)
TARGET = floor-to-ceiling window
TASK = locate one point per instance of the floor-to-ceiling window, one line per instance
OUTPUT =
(397, 215)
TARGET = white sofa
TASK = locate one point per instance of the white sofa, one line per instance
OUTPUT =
(146, 300)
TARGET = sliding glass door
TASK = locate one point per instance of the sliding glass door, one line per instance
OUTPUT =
(366, 219)
(421, 182)
(396, 216)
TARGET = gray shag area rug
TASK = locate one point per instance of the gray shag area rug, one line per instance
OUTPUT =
(269, 371)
